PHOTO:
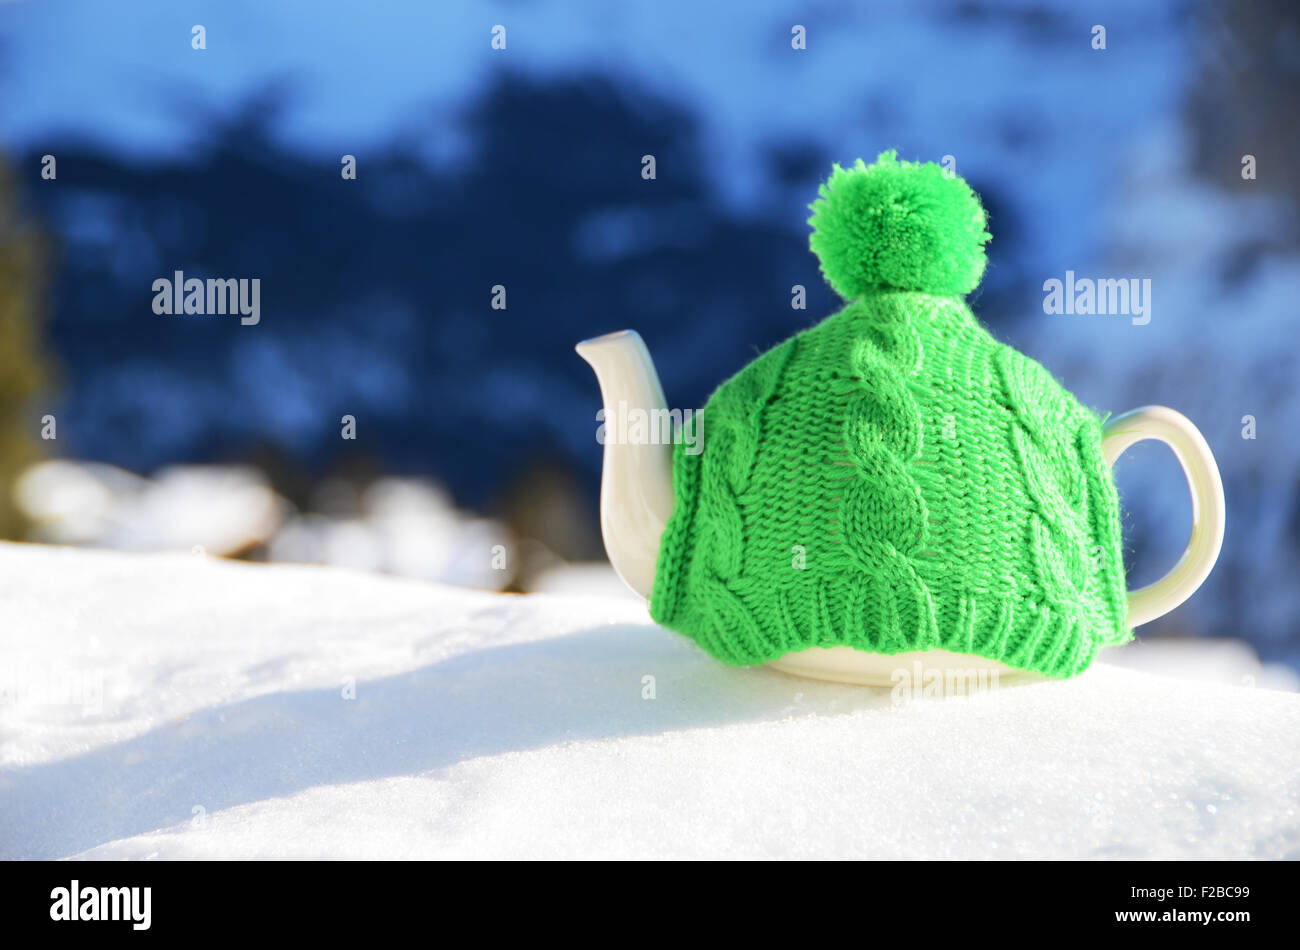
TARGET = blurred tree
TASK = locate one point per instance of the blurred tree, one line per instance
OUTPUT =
(1248, 58)
(22, 367)
(376, 290)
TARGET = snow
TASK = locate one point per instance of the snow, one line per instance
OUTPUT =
(182, 706)
(221, 509)
(581, 578)
(404, 526)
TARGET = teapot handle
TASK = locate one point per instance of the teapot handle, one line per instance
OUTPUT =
(1208, 509)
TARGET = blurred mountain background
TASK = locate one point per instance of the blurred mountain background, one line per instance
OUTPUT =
(521, 167)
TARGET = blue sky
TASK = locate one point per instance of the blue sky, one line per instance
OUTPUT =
(917, 75)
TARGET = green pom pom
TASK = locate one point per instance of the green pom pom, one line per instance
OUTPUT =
(900, 225)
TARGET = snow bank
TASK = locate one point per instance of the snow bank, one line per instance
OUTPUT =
(179, 706)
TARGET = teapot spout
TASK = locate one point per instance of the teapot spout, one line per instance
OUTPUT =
(636, 486)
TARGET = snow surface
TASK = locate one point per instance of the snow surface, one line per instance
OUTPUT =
(177, 706)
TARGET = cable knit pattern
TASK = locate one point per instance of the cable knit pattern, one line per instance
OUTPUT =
(883, 523)
(894, 479)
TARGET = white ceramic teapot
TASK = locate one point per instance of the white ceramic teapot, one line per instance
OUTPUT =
(637, 499)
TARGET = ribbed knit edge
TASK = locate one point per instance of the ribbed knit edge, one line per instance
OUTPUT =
(675, 545)
(1047, 643)
(1021, 633)
(1105, 518)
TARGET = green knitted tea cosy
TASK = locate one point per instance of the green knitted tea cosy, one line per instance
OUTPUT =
(893, 478)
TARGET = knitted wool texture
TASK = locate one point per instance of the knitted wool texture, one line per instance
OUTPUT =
(893, 478)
